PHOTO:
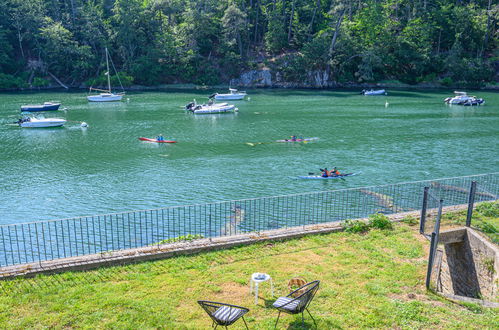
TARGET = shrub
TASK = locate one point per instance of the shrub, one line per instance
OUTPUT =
(488, 209)
(101, 80)
(10, 81)
(380, 221)
(411, 221)
(188, 237)
(40, 82)
(447, 81)
(356, 226)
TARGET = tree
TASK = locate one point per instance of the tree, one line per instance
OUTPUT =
(26, 17)
(234, 24)
(62, 54)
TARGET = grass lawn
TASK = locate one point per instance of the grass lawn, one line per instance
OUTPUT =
(375, 279)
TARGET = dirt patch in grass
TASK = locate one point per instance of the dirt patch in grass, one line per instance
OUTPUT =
(231, 291)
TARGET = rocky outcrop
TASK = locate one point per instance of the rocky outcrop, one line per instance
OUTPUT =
(254, 78)
(270, 78)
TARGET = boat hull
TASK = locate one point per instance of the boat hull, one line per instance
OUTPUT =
(40, 107)
(42, 123)
(105, 98)
(156, 141)
(318, 177)
(229, 97)
(377, 92)
(297, 140)
(217, 109)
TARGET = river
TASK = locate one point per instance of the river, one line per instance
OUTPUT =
(72, 171)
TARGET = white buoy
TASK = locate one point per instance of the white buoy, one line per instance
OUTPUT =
(83, 124)
(249, 98)
(386, 104)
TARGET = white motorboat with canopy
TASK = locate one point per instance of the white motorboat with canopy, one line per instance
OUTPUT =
(233, 94)
(210, 107)
(107, 95)
(33, 122)
(462, 98)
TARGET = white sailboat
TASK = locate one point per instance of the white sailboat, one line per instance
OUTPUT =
(107, 95)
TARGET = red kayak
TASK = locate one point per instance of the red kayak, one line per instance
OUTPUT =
(157, 141)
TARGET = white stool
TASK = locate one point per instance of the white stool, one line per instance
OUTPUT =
(257, 278)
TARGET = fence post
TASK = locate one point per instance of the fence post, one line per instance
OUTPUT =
(422, 220)
(471, 202)
(209, 223)
(430, 260)
(433, 244)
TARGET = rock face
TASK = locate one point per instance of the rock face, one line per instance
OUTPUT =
(269, 78)
(254, 78)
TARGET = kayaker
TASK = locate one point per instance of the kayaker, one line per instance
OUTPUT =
(293, 138)
(335, 172)
(160, 138)
(325, 172)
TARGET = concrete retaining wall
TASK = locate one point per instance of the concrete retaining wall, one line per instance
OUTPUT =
(467, 265)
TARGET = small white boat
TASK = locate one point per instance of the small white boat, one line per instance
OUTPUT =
(233, 94)
(374, 92)
(210, 107)
(32, 122)
(462, 98)
(105, 97)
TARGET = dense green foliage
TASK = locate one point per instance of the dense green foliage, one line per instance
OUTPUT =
(210, 41)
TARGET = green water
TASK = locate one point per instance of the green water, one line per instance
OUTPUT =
(66, 172)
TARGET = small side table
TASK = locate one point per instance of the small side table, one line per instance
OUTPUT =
(257, 278)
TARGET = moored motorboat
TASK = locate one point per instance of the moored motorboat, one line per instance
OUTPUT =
(210, 107)
(233, 94)
(156, 140)
(46, 106)
(319, 177)
(32, 122)
(374, 92)
(462, 98)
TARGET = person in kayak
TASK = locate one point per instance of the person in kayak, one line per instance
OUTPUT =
(325, 172)
(160, 138)
(293, 138)
(335, 172)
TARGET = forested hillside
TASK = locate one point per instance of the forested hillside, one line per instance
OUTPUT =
(211, 41)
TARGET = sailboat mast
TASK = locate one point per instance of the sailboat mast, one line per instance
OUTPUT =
(108, 73)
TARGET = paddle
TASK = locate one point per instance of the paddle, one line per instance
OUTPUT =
(252, 144)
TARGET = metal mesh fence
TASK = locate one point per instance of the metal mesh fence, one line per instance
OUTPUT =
(48, 240)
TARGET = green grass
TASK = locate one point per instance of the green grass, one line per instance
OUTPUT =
(369, 280)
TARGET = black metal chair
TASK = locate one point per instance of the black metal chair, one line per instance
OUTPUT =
(295, 305)
(223, 314)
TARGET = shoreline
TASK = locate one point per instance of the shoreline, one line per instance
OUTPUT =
(140, 88)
